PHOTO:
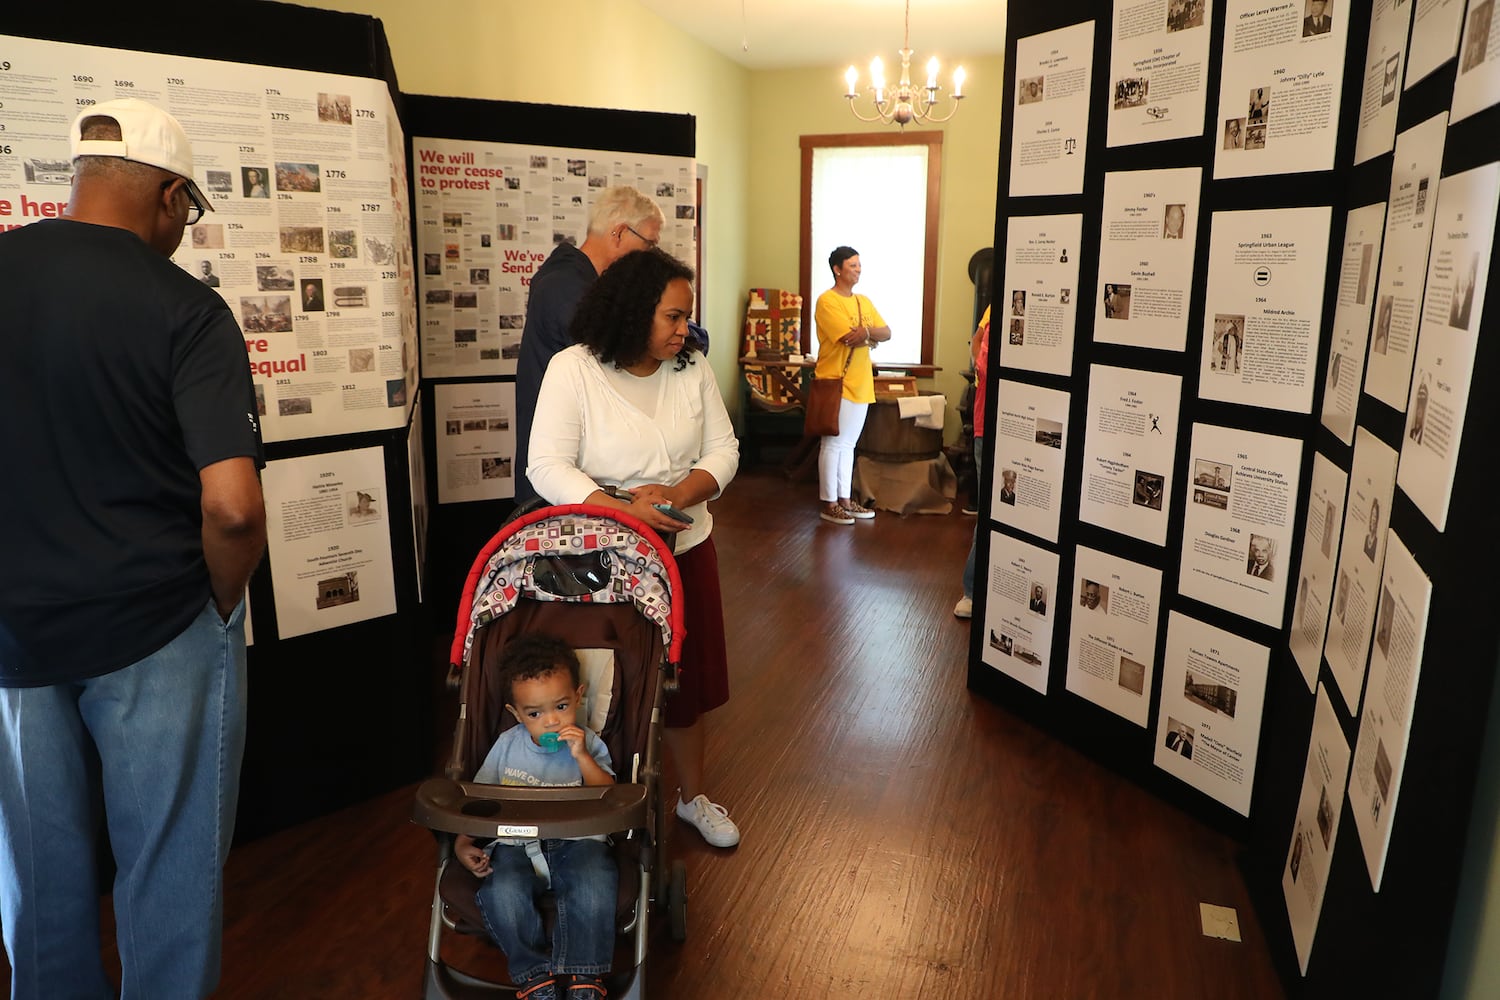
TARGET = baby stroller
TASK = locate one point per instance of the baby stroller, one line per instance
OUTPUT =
(604, 582)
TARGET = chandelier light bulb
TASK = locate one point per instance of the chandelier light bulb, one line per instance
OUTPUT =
(877, 73)
(958, 82)
(932, 72)
(851, 77)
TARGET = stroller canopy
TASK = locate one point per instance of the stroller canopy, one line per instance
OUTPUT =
(582, 553)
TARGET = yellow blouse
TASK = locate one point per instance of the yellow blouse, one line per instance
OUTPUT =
(835, 316)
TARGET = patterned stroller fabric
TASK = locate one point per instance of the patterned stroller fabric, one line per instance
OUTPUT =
(581, 554)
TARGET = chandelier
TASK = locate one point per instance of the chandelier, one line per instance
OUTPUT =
(905, 103)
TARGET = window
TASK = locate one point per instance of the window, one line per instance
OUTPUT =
(877, 193)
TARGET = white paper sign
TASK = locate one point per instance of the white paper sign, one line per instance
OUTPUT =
(1351, 319)
(1367, 512)
(1478, 83)
(1385, 723)
(1112, 633)
(1320, 546)
(1213, 686)
(1033, 327)
(1128, 451)
(1237, 528)
(476, 441)
(1031, 435)
(1158, 70)
(1434, 37)
(329, 540)
(1381, 97)
(1020, 609)
(1051, 114)
(1146, 246)
(1457, 273)
(1261, 320)
(1304, 879)
(1408, 236)
(1281, 86)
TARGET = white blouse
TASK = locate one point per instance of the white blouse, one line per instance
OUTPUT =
(586, 434)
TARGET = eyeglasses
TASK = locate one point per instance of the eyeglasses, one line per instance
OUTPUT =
(650, 244)
(196, 210)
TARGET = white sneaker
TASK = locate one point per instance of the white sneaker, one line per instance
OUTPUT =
(711, 820)
(964, 608)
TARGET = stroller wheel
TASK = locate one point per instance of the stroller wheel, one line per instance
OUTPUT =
(676, 901)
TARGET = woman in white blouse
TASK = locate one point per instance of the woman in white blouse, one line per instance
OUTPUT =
(633, 406)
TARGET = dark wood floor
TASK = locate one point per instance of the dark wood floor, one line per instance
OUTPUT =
(902, 837)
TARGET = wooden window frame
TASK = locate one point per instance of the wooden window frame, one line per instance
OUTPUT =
(934, 143)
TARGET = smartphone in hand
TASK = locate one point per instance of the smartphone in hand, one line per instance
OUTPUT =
(673, 512)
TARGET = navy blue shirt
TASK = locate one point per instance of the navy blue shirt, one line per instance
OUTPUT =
(559, 285)
(121, 376)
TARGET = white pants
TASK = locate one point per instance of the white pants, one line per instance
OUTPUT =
(836, 457)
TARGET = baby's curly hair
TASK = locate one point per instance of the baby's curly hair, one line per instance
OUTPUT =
(614, 319)
(528, 657)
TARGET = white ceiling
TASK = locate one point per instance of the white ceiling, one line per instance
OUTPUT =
(779, 34)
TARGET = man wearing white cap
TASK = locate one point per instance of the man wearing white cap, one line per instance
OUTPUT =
(131, 526)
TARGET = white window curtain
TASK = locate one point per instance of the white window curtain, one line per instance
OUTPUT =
(874, 199)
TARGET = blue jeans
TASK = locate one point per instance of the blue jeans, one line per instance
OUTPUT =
(585, 882)
(169, 731)
(974, 542)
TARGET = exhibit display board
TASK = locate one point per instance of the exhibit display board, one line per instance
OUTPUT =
(309, 240)
(489, 214)
(1283, 305)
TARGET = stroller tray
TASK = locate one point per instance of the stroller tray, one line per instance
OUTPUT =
(517, 811)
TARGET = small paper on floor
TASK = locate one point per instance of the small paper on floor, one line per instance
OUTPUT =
(1219, 921)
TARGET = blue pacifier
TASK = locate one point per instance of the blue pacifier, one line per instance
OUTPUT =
(549, 743)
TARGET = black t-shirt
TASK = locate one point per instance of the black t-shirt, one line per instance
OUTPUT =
(559, 285)
(121, 376)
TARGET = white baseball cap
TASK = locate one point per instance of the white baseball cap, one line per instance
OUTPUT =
(147, 135)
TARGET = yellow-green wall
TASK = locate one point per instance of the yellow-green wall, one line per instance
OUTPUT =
(595, 53)
(786, 104)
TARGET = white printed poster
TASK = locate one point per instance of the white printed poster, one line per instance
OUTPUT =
(1434, 37)
(1380, 98)
(1020, 609)
(489, 214)
(1031, 436)
(1237, 528)
(1262, 316)
(1033, 327)
(1213, 689)
(1403, 268)
(1320, 547)
(474, 426)
(1051, 113)
(308, 241)
(1478, 83)
(1457, 274)
(1158, 70)
(328, 537)
(1112, 633)
(1146, 245)
(1367, 513)
(1128, 450)
(1281, 86)
(1363, 231)
(1315, 830)
(1385, 723)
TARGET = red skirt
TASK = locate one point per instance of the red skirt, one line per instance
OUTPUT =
(704, 678)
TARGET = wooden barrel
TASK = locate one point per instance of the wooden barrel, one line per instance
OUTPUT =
(888, 438)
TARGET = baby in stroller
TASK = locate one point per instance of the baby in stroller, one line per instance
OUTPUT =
(543, 686)
(604, 581)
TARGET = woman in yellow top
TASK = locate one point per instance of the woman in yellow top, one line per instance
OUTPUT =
(848, 326)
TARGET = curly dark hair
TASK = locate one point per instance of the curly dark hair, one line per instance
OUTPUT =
(614, 319)
(528, 657)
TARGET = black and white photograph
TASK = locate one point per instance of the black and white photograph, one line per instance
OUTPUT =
(1148, 489)
(1031, 90)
